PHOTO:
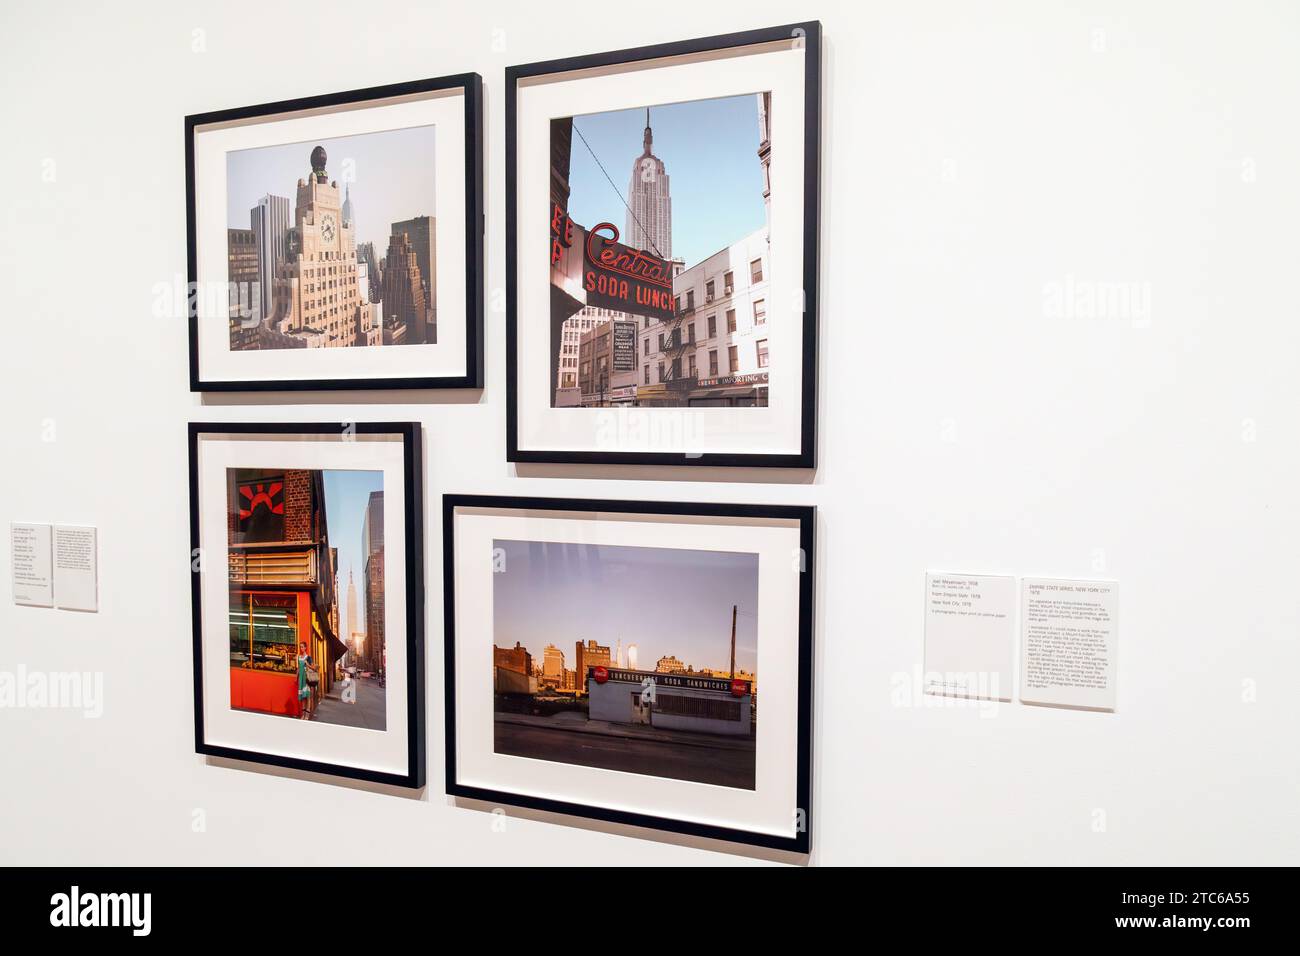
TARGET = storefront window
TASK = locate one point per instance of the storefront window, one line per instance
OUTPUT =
(264, 631)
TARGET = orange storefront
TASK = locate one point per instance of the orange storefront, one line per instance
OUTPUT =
(266, 628)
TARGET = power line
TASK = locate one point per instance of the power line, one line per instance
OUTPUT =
(644, 230)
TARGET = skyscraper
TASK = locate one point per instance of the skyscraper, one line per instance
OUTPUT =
(374, 277)
(270, 222)
(372, 540)
(320, 284)
(352, 607)
(648, 225)
(649, 222)
(372, 524)
(421, 234)
(241, 256)
(406, 312)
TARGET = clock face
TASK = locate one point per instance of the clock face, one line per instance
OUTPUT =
(327, 227)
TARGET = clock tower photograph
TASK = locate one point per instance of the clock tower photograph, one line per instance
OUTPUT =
(313, 290)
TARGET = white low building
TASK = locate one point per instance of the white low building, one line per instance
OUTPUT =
(710, 705)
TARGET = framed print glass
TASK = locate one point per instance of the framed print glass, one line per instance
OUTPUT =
(307, 585)
(336, 242)
(604, 660)
(661, 243)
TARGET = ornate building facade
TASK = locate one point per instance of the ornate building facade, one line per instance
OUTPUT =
(324, 306)
(649, 221)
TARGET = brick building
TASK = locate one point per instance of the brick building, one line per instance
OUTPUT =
(283, 577)
(515, 658)
(512, 670)
(586, 657)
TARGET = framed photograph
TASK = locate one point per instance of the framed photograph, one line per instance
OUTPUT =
(336, 242)
(307, 584)
(661, 253)
(604, 659)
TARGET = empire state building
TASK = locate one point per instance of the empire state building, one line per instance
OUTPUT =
(649, 223)
(648, 226)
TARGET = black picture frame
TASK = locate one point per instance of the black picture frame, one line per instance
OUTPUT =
(806, 515)
(807, 33)
(475, 226)
(413, 507)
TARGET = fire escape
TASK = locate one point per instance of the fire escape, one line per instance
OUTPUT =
(676, 345)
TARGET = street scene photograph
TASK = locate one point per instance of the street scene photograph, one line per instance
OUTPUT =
(659, 255)
(306, 567)
(634, 659)
(332, 243)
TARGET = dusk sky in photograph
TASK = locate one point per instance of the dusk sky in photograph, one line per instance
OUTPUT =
(392, 178)
(664, 600)
(710, 151)
(346, 496)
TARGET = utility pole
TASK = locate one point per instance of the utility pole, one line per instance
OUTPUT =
(733, 642)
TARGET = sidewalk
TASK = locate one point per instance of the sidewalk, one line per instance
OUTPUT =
(370, 711)
(572, 722)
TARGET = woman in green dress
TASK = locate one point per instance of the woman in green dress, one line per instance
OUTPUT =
(304, 689)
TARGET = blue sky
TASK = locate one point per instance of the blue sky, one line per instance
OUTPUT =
(710, 151)
(393, 178)
(346, 495)
(664, 600)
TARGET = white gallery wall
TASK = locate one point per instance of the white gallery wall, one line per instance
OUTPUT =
(1060, 336)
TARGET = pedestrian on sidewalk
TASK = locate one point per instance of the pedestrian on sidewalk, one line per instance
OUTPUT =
(304, 686)
(349, 692)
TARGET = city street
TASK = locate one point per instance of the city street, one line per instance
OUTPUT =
(702, 758)
(369, 711)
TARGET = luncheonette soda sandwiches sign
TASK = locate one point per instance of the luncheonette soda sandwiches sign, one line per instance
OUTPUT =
(734, 685)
